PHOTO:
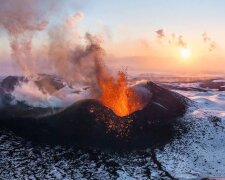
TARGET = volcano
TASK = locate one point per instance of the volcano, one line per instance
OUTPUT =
(89, 121)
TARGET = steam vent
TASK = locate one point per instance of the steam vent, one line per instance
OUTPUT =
(89, 121)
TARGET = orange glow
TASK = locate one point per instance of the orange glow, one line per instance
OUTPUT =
(116, 95)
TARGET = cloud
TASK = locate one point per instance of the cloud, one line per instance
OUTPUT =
(181, 42)
(209, 42)
(171, 39)
(160, 33)
(21, 19)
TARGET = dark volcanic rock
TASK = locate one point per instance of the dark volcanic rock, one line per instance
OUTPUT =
(44, 82)
(8, 84)
(89, 122)
(48, 83)
(164, 104)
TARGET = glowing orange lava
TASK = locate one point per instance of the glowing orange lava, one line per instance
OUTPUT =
(117, 95)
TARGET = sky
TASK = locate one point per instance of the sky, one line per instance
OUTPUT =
(132, 25)
(141, 16)
(128, 29)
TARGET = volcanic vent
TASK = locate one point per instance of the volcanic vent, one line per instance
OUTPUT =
(118, 96)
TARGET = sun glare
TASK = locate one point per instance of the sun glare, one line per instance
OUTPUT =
(185, 53)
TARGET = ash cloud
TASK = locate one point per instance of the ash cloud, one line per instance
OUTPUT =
(209, 42)
(181, 42)
(172, 39)
(71, 60)
(21, 19)
(160, 33)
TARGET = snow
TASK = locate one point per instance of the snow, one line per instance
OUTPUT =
(200, 152)
(212, 102)
(218, 80)
(160, 105)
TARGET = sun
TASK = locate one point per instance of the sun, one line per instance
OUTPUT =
(185, 53)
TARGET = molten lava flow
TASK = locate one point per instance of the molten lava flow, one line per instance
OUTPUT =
(116, 95)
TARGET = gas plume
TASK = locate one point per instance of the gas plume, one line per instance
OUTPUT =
(209, 42)
(21, 19)
(74, 62)
(160, 33)
(181, 42)
(172, 39)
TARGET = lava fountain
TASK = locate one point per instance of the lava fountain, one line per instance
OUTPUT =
(117, 95)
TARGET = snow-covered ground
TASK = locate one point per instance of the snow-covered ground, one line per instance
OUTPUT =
(198, 152)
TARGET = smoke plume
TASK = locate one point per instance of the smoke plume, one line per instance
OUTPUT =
(73, 61)
(160, 33)
(208, 41)
(181, 42)
(172, 39)
(21, 19)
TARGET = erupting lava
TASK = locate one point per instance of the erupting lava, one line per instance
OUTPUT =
(117, 95)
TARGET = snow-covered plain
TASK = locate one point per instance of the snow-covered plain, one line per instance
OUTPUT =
(197, 152)
(200, 152)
